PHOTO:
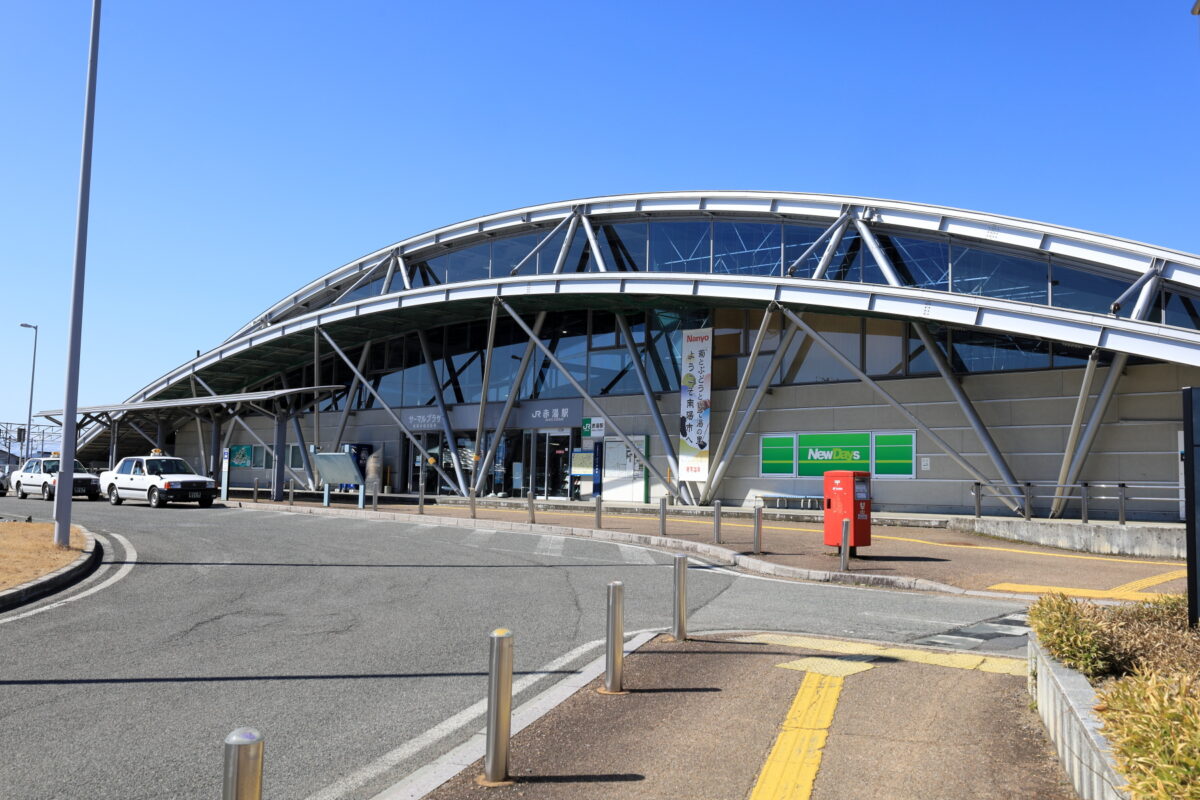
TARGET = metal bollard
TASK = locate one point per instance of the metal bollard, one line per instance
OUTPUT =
(256, 490)
(375, 495)
(531, 512)
(662, 516)
(1027, 490)
(1120, 503)
(614, 659)
(716, 521)
(978, 499)
(291, 493)
(471, 500)
(758, 520)
(679, 618)
(362, 495)
(1083, 502)
(845, 551)
(325, 498)
(421, 493)
(499, 707)
(599, 513)
(243, 765)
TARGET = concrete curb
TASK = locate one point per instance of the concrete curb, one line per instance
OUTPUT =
(1065, 700)
(56, 581)
(711, 552)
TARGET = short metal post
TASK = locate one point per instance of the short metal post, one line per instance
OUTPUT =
(362, 495)
(256, 490)
(758, 520)
(499, 706)
(599, 513)
(291, 493)
(325, 497)
(978, 499)
(679, 619)
(243, 765)
(716, 521)
(421, 491)
(662, 516)
(531, 512)
(1121, 503)
(614, 661)
(375, 495)
(1027, 490)
(845, 551)
(471, 500)
(1083, 502)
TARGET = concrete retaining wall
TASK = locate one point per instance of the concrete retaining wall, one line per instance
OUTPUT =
(1145, 541)
(1064, 701)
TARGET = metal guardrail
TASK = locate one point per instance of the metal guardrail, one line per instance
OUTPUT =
(1084, 492)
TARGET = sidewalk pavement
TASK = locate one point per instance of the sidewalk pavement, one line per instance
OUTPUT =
(773, 716)
(940, 555)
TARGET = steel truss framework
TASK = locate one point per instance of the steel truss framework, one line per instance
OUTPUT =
(331, 302)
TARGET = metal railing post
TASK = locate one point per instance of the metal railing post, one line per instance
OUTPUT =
(375, 495)
(1083, 502)
(716, 507)
(362, 496)
(845, 550)
(325, 497)
(614, 659)
(758, 522)
(291, 493)
(1027, 490)
(499, 706)
(662, 517)
(531, 510)
(243, 765)
(679, 618)
(1121, 503)
(599, 513)
(471, 501)
(978, 499)
(256, 490)
(421, 491)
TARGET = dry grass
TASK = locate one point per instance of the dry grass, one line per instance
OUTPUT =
(27, 551)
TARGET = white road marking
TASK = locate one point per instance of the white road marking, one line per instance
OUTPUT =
(551, 546)
(441, 731)
(635, 555)
(478, 538)
(130, 559)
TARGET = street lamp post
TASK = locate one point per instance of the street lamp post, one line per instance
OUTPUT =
(32, 373)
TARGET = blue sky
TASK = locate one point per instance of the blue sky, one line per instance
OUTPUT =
(245, 148)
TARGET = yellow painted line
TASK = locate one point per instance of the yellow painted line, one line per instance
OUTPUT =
(1092, 594)
(724, 524)
(791, 767)
(836, 667)
(1153, 580)
(1008, 666)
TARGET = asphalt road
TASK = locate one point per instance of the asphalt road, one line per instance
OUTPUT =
(357, 647)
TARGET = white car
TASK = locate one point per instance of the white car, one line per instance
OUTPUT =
(41, 476)
(158, 479)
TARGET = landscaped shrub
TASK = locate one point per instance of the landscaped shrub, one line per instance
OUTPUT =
(1071, 632)
(1153, 724)
(1151, 637)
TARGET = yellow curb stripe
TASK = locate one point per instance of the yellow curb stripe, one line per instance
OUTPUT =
(1091, 594)
(998, 664)
(1153, 580)
(791, 768)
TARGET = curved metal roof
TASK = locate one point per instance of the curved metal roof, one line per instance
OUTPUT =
(1119, 255)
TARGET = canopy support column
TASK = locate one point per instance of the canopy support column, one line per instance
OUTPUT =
(447, 429)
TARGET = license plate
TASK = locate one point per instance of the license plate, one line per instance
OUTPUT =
(80, 491)
(193, 495)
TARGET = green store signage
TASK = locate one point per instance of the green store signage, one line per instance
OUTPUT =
(811, 455)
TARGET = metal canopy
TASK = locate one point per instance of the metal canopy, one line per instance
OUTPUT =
(196, 402)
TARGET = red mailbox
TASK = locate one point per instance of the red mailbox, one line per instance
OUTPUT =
(848, 497)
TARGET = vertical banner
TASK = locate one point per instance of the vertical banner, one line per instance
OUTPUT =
(695, 400)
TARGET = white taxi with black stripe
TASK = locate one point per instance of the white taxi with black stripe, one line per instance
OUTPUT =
(158, 479)
(42, 476)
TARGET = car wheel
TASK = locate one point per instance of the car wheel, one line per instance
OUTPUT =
(113, 497)
(47, 491)
(20, 495)
(205, 502)
(156, 499)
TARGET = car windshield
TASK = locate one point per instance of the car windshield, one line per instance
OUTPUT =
(50, 466)
(168, 466)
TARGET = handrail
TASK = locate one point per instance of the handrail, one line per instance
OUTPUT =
(1027, 494)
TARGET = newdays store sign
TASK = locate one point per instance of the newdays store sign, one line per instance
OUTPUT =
(886, 454)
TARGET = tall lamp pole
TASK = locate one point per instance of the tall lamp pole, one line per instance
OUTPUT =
(66, 465)
(32, 373)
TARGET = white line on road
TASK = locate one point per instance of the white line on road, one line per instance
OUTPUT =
(130, 559)
(635, 555)
(551, 546)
